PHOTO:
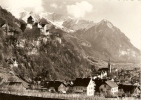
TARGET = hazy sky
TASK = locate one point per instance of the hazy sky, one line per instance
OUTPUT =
(124, 14)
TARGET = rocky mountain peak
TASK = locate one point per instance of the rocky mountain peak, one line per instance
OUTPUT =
(105, 22)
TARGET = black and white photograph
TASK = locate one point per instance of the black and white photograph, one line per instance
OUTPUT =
(70, 49)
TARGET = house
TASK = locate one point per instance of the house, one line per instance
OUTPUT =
(5, 27)
(14, 83)
(84, 86)
(15, 64)
(98, 83)
(69, 84)
(109, 87)
(12, 62)
(69, 88)
(10, 33)
(129, 90)
(102, 74)
(56, 86)
(16, 86)
(135, 79)
(45, 29)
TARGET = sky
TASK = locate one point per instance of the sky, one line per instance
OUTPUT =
(124, 14)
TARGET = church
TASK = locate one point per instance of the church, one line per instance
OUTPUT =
(105, 72)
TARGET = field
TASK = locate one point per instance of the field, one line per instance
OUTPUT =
(53, 96)
(49, 96)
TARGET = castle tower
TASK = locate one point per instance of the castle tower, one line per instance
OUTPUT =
(30, 20)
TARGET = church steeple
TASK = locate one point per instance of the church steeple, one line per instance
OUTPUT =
(109, 65)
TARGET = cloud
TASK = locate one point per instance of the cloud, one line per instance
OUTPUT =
(15, 5)
(79, 9)
(54, 5)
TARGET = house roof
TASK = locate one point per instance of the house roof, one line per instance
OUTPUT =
(82, 82)
(127, 88)
(16, 79)
(15, 83)
(25, 84)
(112, 84)
(54, 84)
(43, 21)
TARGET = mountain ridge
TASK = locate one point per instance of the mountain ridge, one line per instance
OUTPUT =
(105, 36)
(71, 25)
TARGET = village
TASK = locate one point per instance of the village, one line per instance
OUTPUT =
(106, 82)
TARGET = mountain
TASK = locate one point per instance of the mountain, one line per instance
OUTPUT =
(36, 46)
(38, 50)
(76, 24)
(103, 40)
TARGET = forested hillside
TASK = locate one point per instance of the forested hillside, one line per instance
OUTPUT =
(29, 53)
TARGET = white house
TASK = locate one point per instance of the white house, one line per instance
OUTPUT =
(109, 86)
(84, 86)
(15, 63)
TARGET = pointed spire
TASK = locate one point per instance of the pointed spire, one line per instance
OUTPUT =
(109, 65)
(109, 61)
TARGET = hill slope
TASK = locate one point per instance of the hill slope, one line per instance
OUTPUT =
(33, 54)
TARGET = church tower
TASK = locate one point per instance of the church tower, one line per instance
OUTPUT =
(109, 66)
